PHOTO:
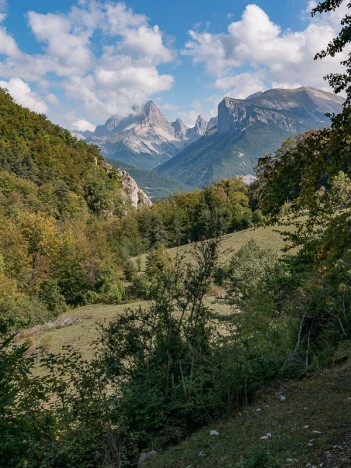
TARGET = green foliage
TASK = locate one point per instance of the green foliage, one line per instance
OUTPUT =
(58, 200)
(160, 358)
(61, 419)
(308, 182)
(220, 208)
(338, 81)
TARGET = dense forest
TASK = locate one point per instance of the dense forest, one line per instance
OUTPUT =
(161, 371)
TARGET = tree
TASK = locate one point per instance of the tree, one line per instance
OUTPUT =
(304, 171)
(338, 81)
(307, 183)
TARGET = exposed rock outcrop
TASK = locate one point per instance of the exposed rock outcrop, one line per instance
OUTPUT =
(132, 191)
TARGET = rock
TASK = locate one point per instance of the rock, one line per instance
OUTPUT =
(132, 191)
(282, 398)
(214, 433)
(202, 454)
(258, 410)
(145, 455)
(199, 130)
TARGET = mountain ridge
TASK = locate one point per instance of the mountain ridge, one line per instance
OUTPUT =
(145, 139)
(247, 129)
(229, 144)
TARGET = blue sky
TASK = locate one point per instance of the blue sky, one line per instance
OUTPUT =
(81, 61)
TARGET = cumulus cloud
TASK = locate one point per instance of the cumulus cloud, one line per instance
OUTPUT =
(275, 58)
(101, 54)
(82, 125)
(23, 95)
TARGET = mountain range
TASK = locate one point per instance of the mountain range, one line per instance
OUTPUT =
(144, 139)
(228, 145)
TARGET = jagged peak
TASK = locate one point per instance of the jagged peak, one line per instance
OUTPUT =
(150, 106)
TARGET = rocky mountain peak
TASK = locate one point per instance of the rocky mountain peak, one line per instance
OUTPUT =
(213, 122)
(198, 130)
(179, 128)
(230, 112)
(151, 110)
(200, 126)
(153, 117)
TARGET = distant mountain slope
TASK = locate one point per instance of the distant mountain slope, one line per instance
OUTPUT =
(155, 185)
(145, 139)
(249, 128)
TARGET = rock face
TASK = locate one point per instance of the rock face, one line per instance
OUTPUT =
(145, 139)
(246, 129)
(132, 191)
(198, 131)
(289, 109)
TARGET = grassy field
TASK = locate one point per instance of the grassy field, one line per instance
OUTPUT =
(308, 423)
(265, 237)
(79, 327)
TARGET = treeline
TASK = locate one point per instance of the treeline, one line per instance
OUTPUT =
(219, 208)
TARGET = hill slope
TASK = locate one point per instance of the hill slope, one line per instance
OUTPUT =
(58, 196)
(310, 427)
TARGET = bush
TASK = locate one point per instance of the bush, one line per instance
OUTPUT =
(160, 358)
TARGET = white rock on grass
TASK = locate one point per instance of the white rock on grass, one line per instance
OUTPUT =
(214, 433)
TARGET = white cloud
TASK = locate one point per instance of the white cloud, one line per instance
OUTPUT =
(241, 85)
(3, 10)
(101, 54)
(23, 95)
(8, 44)
(275, 57)
(68, 48)
(82, 125)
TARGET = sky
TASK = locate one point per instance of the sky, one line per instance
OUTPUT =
(82, 61)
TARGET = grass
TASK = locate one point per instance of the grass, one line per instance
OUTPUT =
(265, 237)
(310, 427)
(82, 327)
(82, 331)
